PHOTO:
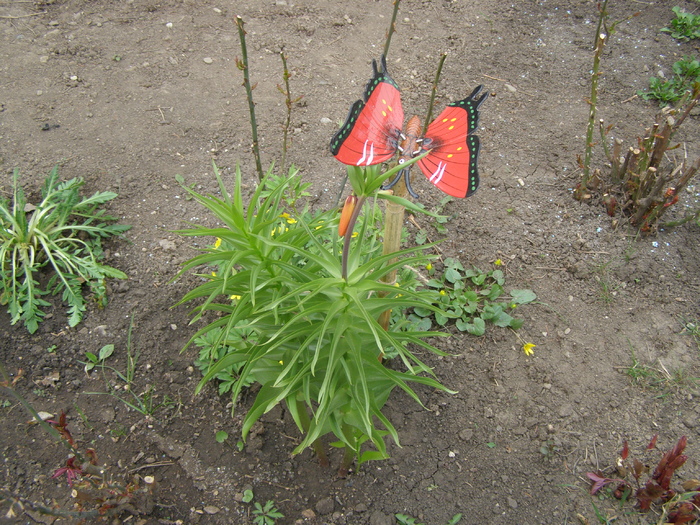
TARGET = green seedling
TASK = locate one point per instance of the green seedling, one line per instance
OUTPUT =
(247, 496)
(146, 402)
(221, 436)
(266, 515)
(64, 233)
(98, 360)
(686, 26)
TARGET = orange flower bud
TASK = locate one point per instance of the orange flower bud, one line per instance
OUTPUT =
(345, 215)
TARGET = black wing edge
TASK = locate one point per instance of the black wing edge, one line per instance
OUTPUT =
(379, 76)
(347, 126)
(471, 105)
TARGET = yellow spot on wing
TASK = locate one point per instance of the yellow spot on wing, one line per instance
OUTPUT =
(459, 149)
(449, 156)
(384, 113)
(451, 128)
(453, 120)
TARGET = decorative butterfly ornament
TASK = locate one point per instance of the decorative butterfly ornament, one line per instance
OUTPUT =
(373, 134)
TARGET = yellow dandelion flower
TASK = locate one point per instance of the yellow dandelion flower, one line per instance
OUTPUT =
(355, 234)
(217, 243)
(443, 292)
(213, 274)
(429, 266)
(234, 297)
(281, 362)
(288, 218)
(498, 262)
(528, 348)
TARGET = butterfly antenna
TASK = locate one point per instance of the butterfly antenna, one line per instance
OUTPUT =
(406, 174)
(393, 182)
(407, 180)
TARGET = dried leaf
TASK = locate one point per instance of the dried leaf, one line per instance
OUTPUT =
(691, 485)
(639, 469)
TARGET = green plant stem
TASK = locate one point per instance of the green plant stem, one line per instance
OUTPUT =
(243, 65)
(348, 456)
(348, 235)
(317, 444)
(392, 27)
(687, 218)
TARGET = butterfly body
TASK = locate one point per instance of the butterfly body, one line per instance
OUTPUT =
(372, 134)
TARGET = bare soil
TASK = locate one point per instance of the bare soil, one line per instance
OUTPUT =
(127, 94)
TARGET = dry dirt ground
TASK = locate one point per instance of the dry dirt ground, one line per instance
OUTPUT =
(127, 94)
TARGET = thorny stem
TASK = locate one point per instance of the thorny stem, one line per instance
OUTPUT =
(392, 27)
(433, 92)
(288, 102)
(601, 39)
(243, 66)
(387, 43)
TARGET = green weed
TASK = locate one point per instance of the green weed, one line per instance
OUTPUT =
(267, 514)
(145, 402)
(63, 232)
(686, 73)
(470, 298)
(686, 26)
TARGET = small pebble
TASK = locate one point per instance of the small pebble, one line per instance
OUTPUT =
(208, 60)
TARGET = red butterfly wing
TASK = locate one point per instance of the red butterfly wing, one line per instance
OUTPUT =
(371, 131)
(452, 162)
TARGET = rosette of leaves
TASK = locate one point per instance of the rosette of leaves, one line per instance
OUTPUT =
(471, 298)
(63, 233)
(312, 340)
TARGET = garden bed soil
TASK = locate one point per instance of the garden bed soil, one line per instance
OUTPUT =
(127, 94)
